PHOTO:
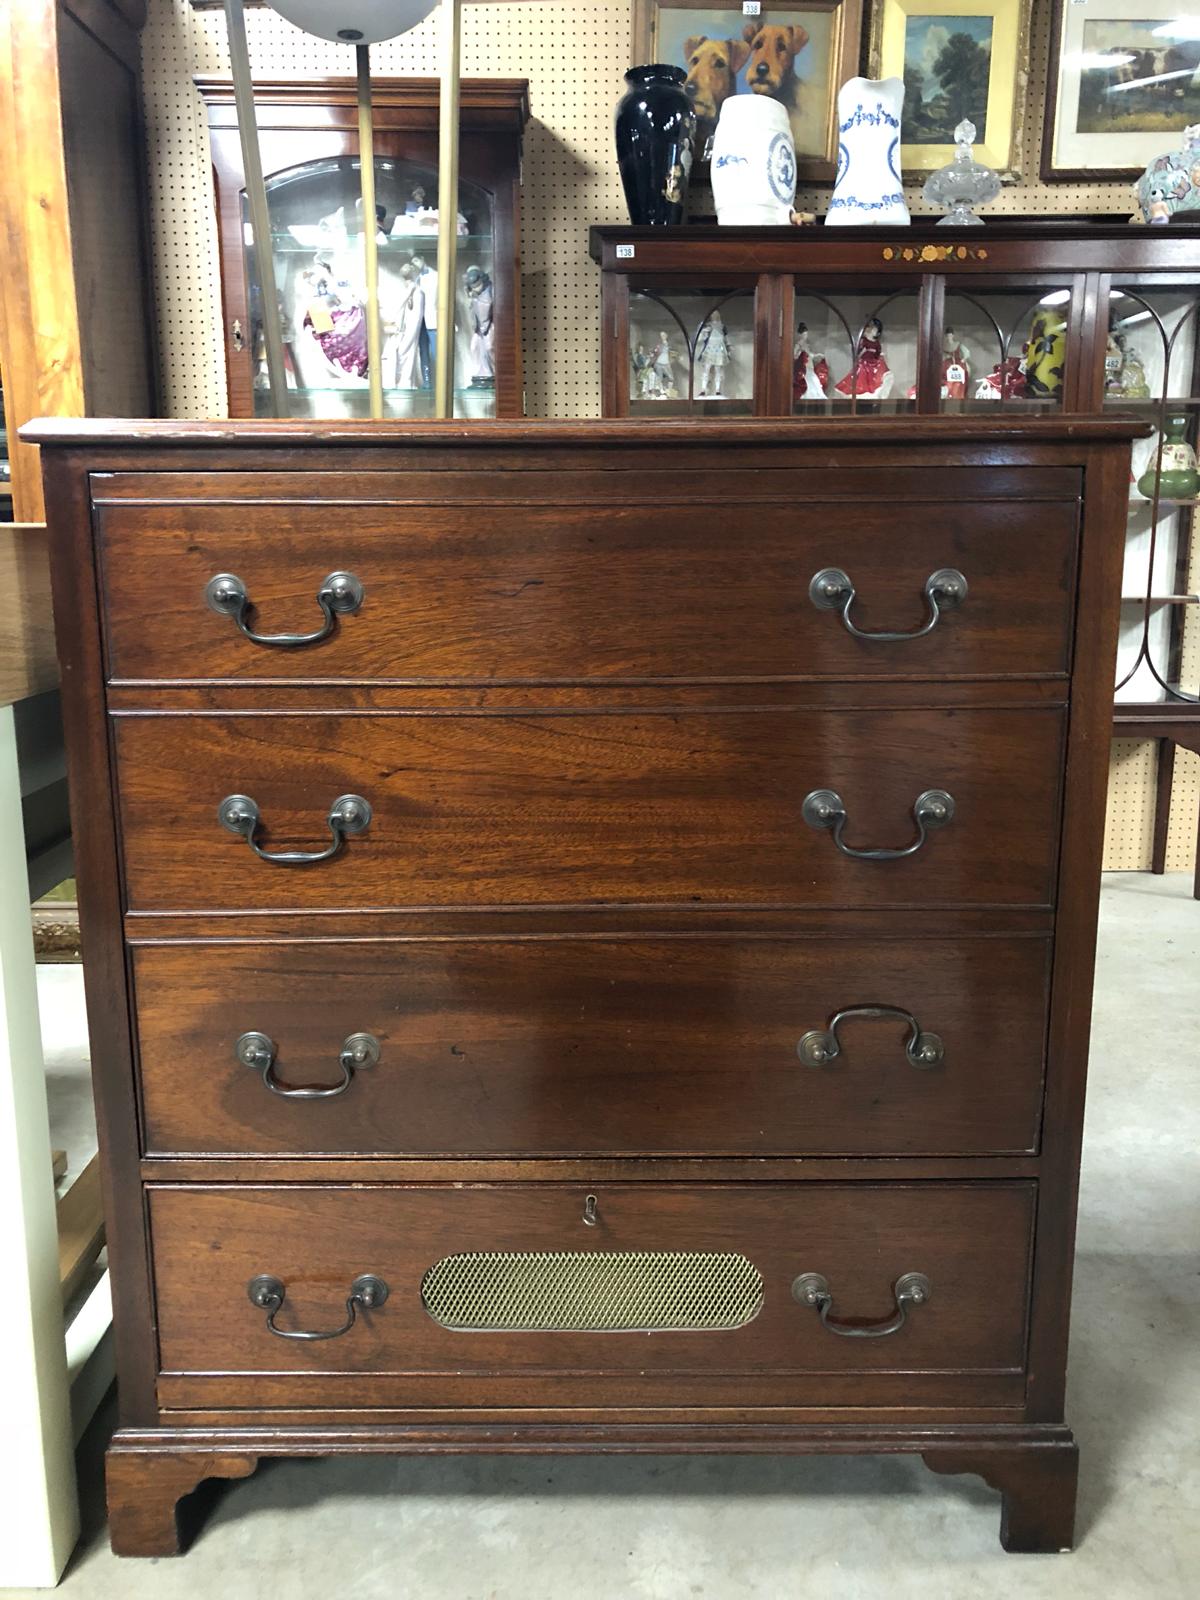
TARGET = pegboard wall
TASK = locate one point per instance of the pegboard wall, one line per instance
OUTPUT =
(574, 55)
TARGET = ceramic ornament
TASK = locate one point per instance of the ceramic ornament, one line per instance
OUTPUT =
(1171, 182)
(868, 187)
(753, 170)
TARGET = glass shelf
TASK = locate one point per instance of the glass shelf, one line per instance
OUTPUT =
(285, 244)
(844, 406)
(1152, 408)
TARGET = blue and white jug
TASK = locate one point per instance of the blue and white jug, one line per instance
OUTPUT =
(868, 187)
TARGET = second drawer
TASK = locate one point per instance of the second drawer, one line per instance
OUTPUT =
(688, 807)
(490, 1047)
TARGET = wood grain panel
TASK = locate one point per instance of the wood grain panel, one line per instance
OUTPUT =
(648, 589)
(663, 1046)
(208, 1243)
(683, 807)
(28, 664)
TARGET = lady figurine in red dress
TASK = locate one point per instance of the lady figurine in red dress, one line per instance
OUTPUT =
(871, 378)
(810, 373)
(955, 372)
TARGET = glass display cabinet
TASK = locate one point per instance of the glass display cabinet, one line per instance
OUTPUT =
(309, 138)
(1017, 317)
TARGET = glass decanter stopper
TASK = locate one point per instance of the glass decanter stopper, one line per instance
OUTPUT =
(962, 184)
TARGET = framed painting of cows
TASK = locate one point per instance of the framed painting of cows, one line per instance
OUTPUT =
(1124, 83)
(799, 55)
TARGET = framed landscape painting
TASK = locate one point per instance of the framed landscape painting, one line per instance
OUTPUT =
(799, 55)
(958, 59)
(1124, 83)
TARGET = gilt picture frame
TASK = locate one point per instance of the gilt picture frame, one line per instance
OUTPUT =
(798, 54)
(959, 59)
(1119, 90)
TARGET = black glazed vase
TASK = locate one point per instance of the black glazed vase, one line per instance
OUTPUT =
(656, 136)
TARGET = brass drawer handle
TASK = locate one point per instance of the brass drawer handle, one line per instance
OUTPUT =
(820, 1046)
(348, 814)
(258, 1052)
(825, 809)
(340, 594)
(268, 1293)
(911, 1289)
(832, 590)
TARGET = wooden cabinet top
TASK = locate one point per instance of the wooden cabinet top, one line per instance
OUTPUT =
(498, 105)
(723, 436)
(1028, 246)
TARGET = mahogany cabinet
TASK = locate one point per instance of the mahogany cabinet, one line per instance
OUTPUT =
(1019, 317)
(308, 133)
(529, 1021)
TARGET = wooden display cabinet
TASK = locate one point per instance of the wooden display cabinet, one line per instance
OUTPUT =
(309, 138)
(1022, 297)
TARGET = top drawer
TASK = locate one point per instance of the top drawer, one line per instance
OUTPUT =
(595, 586)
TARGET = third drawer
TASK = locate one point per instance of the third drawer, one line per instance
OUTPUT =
(536, 1047)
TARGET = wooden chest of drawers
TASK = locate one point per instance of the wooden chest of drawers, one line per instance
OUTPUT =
(615, 974)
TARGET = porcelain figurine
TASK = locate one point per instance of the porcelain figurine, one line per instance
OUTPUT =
(1172, 471)
(868, 187)
(712, 355)
(428, 279)
(1171, 183)
(1045, 354)
(870, 378)
(403, 319)
(956, 374)
(1006, 380)
(335, 320)
(662, 364)
(1114, 360)
(1124, 374)
(479, 310)
(641, 372)
(810, 371)
(753, 171)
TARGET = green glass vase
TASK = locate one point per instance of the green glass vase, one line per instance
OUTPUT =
(1173, 471)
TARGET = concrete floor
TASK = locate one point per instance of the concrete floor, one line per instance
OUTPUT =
(673, 1529)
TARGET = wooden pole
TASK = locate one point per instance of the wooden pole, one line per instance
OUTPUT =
(447, 256)
(256, 199)
(366, 157)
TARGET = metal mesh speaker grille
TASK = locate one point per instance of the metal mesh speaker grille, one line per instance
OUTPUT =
(599, 1291)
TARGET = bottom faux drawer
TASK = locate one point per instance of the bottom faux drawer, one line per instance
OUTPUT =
(800, 1293)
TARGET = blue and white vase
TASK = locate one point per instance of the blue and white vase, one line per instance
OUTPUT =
(868, 187)
(753, 169)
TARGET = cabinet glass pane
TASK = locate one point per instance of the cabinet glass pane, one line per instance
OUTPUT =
(317, 249)
(691, 352)
(854, 352)
(1151, 352)
(1004, 349)
(1151, 367)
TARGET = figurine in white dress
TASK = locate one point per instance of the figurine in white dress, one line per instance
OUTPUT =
(712, 354)
(403, 320)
